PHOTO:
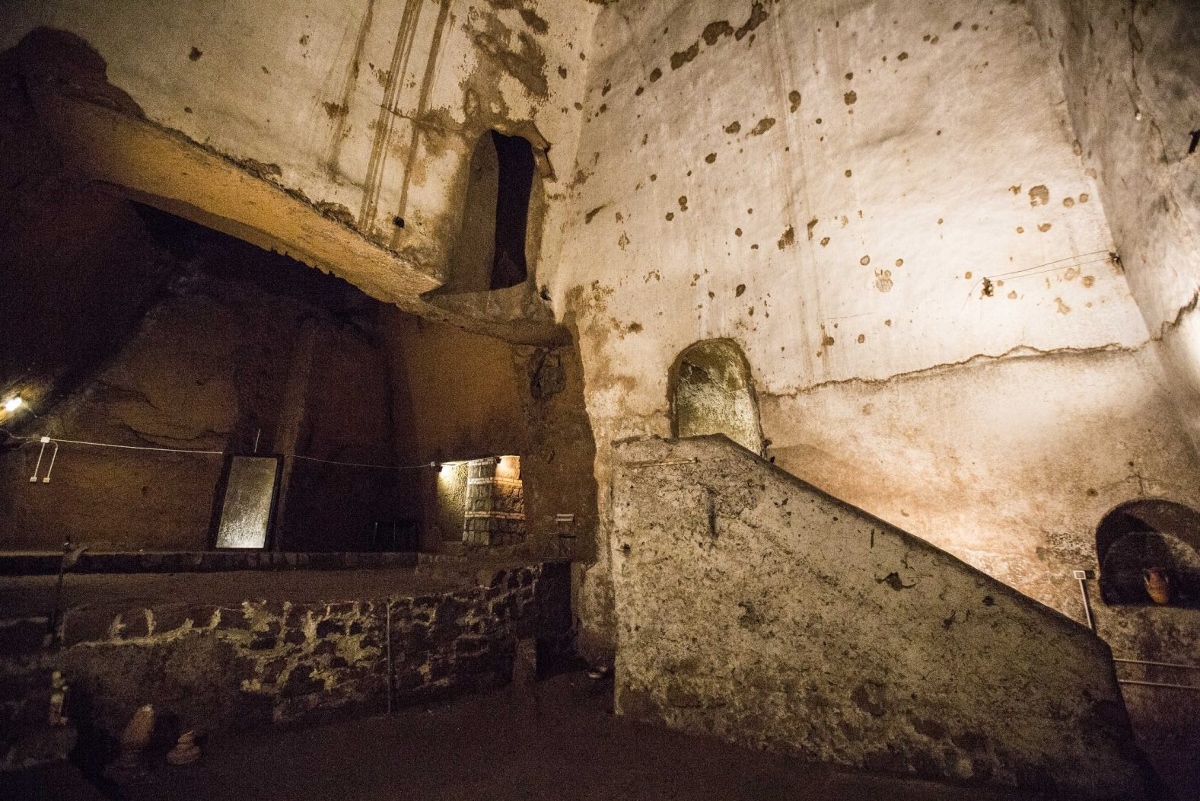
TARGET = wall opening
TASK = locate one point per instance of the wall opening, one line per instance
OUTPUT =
(711, 392)
(1150, 535)
(482, 501)
(490, 251)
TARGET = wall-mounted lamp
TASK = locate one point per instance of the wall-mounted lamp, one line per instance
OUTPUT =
(13, 403)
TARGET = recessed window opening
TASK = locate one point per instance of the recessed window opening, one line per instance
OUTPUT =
(490, 250)
(1149, 553)
(515, 156)
(711, 393)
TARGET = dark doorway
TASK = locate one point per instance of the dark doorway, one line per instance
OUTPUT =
(515, 155)
(489, 252)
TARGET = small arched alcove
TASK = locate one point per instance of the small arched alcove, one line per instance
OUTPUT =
(490, 250)
(711, 392)
(1150, 534)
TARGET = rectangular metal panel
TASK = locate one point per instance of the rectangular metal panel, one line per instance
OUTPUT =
(249, 500)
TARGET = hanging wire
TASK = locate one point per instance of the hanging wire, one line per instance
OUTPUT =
(131, 447)
(47, 440)
(422, 466)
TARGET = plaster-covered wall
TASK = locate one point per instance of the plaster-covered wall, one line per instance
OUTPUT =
(1009, 464)
(1133, 93)
(869, 198)
(1134, 97)
(367, 111)
(756, 608)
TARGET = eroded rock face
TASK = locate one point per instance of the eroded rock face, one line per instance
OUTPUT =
(209, 369)
(248, 351)
(77, 265)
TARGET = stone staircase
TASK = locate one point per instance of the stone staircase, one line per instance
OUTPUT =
(756, 608)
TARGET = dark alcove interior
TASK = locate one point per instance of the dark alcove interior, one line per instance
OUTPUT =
(240, 352)
(1146, 535)
(490, 251)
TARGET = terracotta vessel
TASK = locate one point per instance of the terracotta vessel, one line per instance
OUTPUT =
(1158, 586)
(185, 750)
(136, 736)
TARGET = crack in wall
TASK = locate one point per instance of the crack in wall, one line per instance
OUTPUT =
(1018, 352)
(1174, 323)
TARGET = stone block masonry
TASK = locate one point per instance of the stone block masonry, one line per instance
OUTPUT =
(211, 666)
(495, 513)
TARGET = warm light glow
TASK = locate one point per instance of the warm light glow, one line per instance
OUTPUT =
(508, 467)
(13, 403)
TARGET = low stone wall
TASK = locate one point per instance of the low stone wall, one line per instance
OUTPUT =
(754, 607)
(218, 666)
(46, 563)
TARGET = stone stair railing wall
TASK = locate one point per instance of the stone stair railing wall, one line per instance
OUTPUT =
(754, 607)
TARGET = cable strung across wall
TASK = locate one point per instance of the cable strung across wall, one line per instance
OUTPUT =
(56, 441)
(128, 447)
(421, 466)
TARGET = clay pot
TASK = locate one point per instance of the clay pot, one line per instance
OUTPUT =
(1158, 586)
(185, 751)
(136, 736)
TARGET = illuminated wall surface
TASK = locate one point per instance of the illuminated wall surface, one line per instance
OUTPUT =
(954, 242)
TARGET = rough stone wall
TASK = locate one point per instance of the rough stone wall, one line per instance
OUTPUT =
(754, 607)
(868, 198)
(470, 396)
(495, 508)
(207, 370)
(219, 666)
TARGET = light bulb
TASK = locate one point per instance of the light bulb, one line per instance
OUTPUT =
(13, 403)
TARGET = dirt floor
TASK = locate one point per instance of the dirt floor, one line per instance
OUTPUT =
(554, 740)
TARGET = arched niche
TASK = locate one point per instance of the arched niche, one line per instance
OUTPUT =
(711, 392)
(1143, 534)
(490, 250)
